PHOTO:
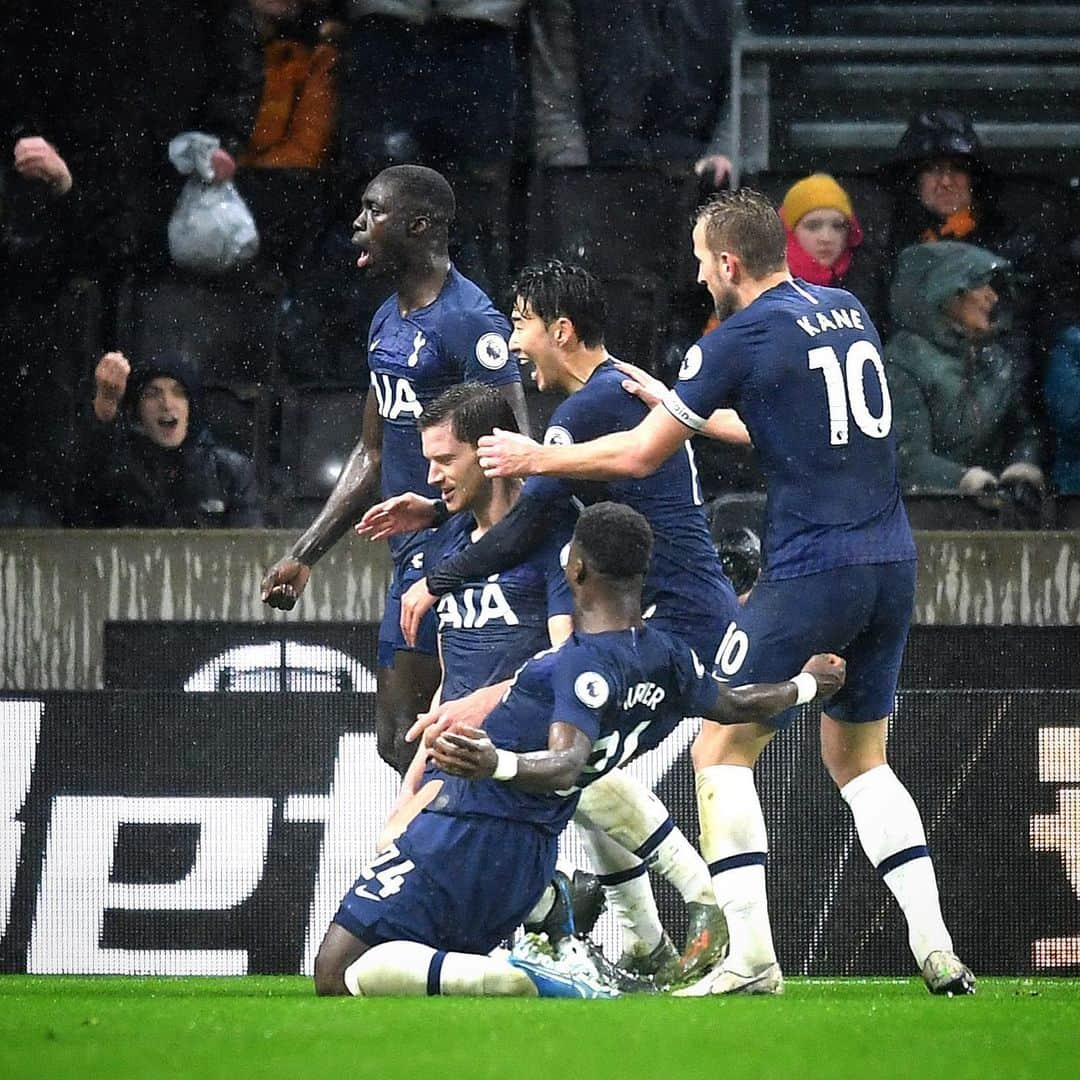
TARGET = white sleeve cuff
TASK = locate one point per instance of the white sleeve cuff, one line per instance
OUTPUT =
(506, 765)
(678, 408)
(805, 686)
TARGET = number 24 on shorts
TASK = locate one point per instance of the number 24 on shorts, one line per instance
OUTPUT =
(388, 869)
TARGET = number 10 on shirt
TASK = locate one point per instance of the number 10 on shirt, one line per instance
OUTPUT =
(846, 392)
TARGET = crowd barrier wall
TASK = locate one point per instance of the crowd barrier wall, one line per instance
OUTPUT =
(58, 589)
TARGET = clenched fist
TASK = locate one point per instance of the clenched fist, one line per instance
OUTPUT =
(110, 382)
(284, 582)
(36, 159)
(829, 671)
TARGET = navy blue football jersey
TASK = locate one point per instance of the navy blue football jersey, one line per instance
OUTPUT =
(802, 365)
(626, 689)
(685, 583)
(459, 337)
(489, 628)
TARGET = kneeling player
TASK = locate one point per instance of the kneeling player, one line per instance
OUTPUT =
(470, 867)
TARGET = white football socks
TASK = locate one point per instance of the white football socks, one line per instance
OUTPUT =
(625, 879)
(735, 846)
(407, 969)
(891, 833)
(634, 817)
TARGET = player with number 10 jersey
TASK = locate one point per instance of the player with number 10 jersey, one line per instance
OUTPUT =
(802, 367)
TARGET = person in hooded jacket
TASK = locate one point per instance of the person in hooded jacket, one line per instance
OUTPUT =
(145, 460)
(1061, 395)
(946, 191)
(961, 415)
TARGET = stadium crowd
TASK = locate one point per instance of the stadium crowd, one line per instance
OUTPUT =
(309, 99)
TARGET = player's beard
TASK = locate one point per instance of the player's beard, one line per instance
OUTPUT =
(726, 304)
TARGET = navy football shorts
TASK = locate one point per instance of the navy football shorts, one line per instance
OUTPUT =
(408, 569)
(862, 613)
(701, 630)
(454, 883)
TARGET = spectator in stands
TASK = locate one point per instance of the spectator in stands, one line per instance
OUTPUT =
(959, 407)
(115, 82)
(39, 332)
(558, 131)
(653, 83)
(825, 240)
(437, 84)
(1061, 392)
(295, 122)
(145, 460)
(945, 191)
(283, 169)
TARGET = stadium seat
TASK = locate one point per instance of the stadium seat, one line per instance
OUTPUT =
(227, 331)
(614, 221)
(238, 415)
(318, 430)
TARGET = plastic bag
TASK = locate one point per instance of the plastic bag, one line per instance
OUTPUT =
(211, 229)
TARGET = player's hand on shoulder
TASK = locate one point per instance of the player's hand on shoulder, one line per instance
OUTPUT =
(641, 384)
(829, 672)
(506, 453)
(467, 752)
(394, 516)
(284, 582)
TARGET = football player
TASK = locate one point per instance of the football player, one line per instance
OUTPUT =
(558, 318)
(801, 364)
(436, 330)
(466, 871)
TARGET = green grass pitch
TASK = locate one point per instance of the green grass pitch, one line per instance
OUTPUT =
(61, 1026)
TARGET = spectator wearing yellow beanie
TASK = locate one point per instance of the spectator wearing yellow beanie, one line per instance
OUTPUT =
(822, 230)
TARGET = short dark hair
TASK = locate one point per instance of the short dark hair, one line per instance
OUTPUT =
(615, 539)
(423, 191)
(745, 223)
(555, 289)
(472, 410)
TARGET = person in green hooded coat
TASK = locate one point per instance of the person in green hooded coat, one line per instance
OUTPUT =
(959, 391)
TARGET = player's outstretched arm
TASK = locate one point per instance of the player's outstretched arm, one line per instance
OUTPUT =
(472, 755)
(725, 425)
(355, 489)
(636, 453)
(399, 514)
(757, 703)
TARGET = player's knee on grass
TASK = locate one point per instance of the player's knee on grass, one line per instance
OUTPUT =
(338, 950)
